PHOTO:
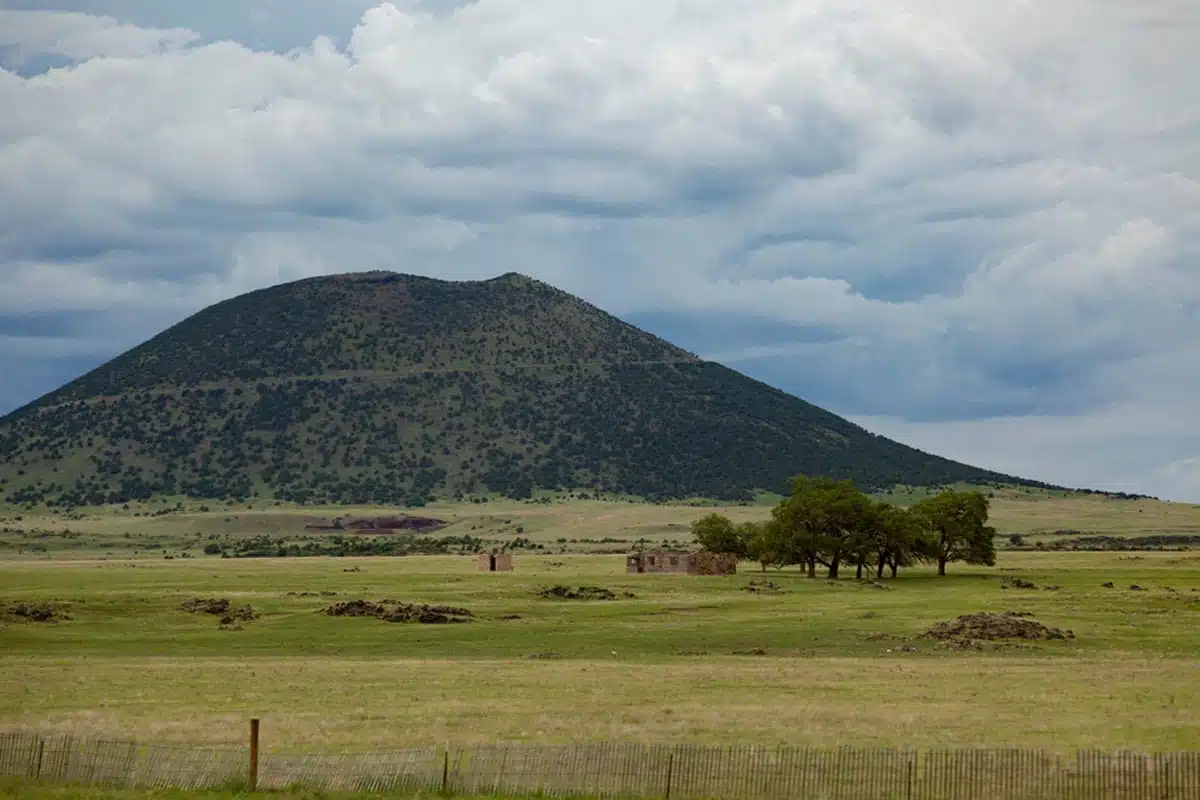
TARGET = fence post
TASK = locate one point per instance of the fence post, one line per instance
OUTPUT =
(446, 771)
(908, 781)
(252, 781)
(670, 772)
(41, 751)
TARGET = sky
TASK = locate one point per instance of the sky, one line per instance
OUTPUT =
(971, 227)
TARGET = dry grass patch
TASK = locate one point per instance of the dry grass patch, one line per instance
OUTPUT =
(331, 704)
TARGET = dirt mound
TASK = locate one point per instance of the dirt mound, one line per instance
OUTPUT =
(227, 611)
(991, 627)
(395, 611)
(763, 587)
(560, 592)
(33, 611)
(1017, 583)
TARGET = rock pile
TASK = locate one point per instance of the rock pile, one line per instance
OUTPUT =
(970, 628)
(230, 614)
(560, 592)
(33, 611)
(395, 611)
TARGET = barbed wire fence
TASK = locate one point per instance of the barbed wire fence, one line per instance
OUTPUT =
(616, 770)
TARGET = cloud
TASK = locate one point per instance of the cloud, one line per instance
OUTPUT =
(79, 37)
(967, 224)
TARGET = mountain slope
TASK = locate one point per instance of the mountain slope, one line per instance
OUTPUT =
(384, 388)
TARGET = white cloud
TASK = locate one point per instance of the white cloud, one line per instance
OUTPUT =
(990, 206)
(80, 37)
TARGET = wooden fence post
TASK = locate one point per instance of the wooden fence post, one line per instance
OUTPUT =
(41, 751)
(670, 772)
(446, 771)
(908, 787)
(252, 781)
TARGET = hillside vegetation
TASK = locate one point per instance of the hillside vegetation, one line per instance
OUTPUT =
(387, 388)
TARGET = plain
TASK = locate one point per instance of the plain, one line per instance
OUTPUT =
(672, 658)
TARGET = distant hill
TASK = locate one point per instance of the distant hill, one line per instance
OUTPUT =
(388, 388)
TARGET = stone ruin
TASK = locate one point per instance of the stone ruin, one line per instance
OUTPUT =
(681, 562)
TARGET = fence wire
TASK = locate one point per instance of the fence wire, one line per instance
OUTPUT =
(620, 770)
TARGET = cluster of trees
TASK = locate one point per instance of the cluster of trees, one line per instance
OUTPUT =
(832, 524)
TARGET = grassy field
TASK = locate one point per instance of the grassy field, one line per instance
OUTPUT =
(555, 524)
(685, 659)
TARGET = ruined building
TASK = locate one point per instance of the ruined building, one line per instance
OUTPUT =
(681, 562)
(495, 562)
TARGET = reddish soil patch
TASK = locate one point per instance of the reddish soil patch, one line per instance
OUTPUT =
(395, 611)
(388, 524)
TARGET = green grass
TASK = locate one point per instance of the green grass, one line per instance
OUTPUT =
(844, 662)
(132, 608)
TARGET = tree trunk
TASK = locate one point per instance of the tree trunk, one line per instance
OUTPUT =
(858, 575)
(879, 569)
(833, 568)
(895, 566)
(942, 565)
(812, 567)
(764, 565)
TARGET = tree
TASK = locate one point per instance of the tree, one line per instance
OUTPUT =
(823, 521)
(717, 534)
(894, 539)
(956, 529)
(795, 534)
(762, 543)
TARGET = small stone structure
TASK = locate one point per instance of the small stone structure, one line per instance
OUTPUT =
(495, 562)
(681, 562)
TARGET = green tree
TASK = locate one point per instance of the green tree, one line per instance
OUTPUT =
(823, 521)
(894, 539)
(795, 534)
(717, 534)
(761, 543)
(956, 529)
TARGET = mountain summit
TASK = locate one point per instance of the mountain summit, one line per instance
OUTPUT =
(384, 388)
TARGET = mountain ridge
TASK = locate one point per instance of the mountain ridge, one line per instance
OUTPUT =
(416, 386)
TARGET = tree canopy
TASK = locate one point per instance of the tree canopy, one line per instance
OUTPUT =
(832, 524)
(956, 529)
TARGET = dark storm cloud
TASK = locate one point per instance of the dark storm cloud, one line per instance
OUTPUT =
(46, 324)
